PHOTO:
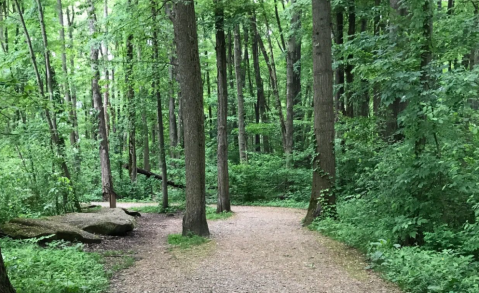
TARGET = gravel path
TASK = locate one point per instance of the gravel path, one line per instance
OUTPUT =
(259, 249)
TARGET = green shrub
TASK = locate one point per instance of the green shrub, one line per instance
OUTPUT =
(421, 271)
(59, 267)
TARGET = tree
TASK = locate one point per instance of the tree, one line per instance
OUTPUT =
(106, 178)
(132, 165)
(5, 285)
(194, 220)
(223, 204)
(156, 90)
(239, 91)
(293, 79)
(323, 199)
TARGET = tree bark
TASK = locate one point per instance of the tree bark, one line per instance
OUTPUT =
(293, 80)
(66, 87)
(56, 138)
(74, 132)
(339, 39)
(274, 84)
(156, 88)
(426, 58)
(349, 65)
(223, 202)
(173, 130)
(106, 93)
(156, 176)
(323, 200)
(260, 97)
(106, 178)
(5, 285)
(194, 220)
(239, 91)
(130, 94)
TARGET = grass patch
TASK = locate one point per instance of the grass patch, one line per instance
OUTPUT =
(59, 267)
(156, 209)
(146, 209)
(287, 203)
(185, 242)
(211, 214)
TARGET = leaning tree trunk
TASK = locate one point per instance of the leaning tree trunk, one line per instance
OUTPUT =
(223, 204)
(293, 80)
(323, 200)
(239, 90)
(194, 220)
(156, 89)
(5, 285)
(106, 178)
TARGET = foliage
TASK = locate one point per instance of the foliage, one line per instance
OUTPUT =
(58, 267)
(267, 172)
(185, 242)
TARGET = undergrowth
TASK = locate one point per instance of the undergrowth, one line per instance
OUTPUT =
(58, 267)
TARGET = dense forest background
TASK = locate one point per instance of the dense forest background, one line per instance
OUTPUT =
(405, 101)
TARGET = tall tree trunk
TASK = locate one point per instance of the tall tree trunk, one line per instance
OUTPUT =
(106, 93)
(210, 110)
(239, 90)
(278, 21)
(293, 80)
(106, 178)
(273, 77)
(398, 106)
(223, 203)
(377, 86)
(74, 132)
(156, 88)
(173, 78)
(260, 97)
(56, 138)
(363, 110)
(66, 87)
(349, 65)
(426, 58)
(339, 39)
(146, 140)
(5, 285)
(194, 220)
(323, 200)
(274, 84)
(130, 95)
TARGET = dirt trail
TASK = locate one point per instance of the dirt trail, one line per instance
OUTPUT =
(259, 249)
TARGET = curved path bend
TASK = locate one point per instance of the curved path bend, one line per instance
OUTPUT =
(259, 249)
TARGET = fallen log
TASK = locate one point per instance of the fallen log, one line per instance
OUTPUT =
(156, 176)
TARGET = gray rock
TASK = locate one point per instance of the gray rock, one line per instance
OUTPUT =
(36, 228)
(106, 221)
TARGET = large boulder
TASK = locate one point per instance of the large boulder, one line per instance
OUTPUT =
(114, 222)
(36, 228)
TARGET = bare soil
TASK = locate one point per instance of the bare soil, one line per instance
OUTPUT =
(259, 249)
